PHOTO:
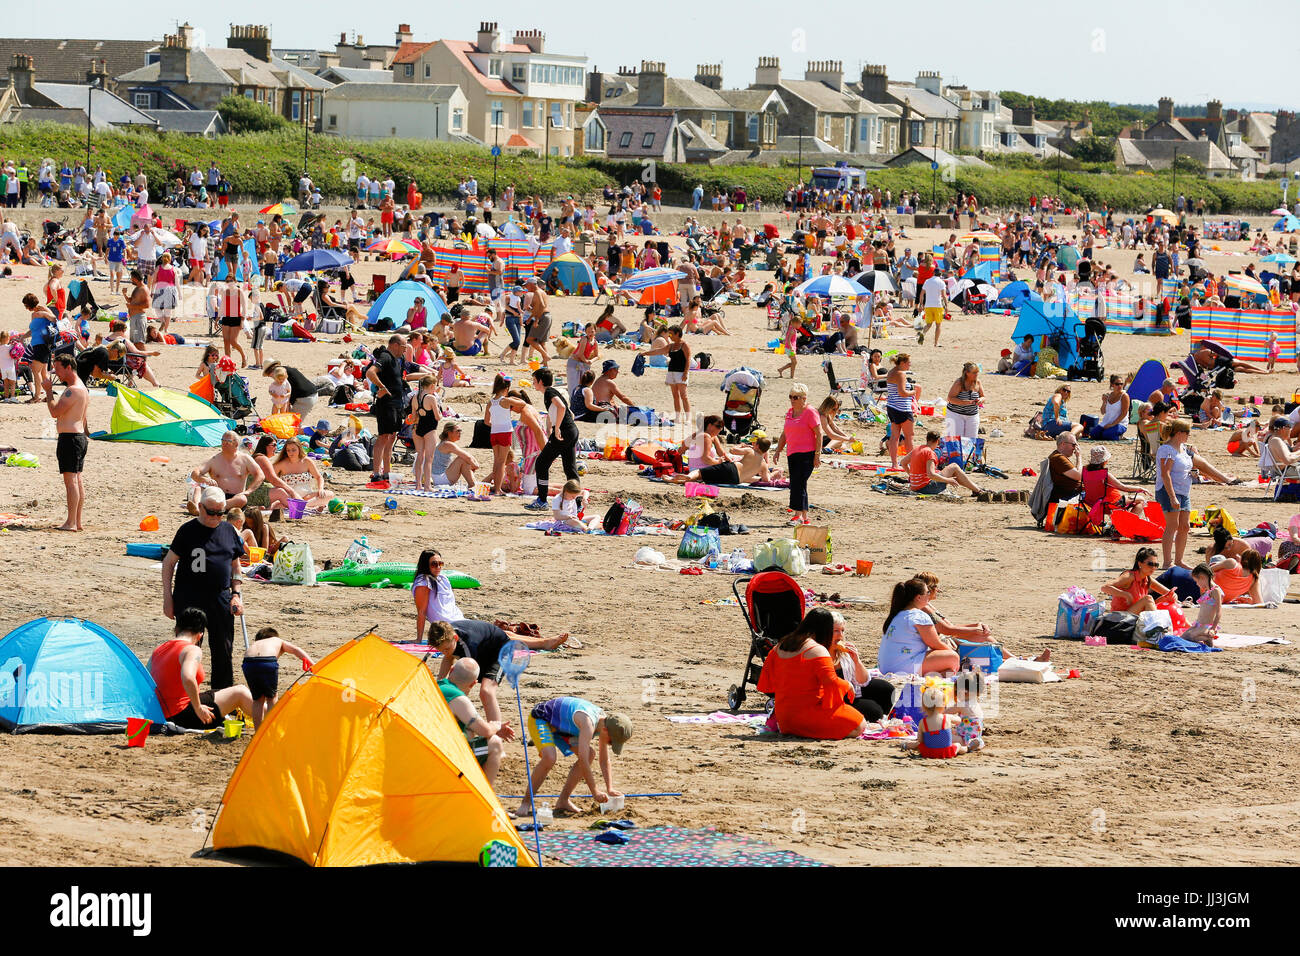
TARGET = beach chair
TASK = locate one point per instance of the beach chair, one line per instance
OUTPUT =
(861, 398)
(773, 604)
(1144, 452)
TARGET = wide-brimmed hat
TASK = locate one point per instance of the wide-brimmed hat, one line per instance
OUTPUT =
(1099, 455)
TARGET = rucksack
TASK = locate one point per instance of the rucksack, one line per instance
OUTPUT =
(705, 360)
(717, 519)
(621, 518)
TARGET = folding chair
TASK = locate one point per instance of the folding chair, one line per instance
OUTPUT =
(861, 398)
(1285, 485)
(1144, 452)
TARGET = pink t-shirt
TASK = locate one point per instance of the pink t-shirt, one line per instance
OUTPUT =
(800, 434)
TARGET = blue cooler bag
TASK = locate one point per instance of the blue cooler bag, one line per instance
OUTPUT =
(984, 657)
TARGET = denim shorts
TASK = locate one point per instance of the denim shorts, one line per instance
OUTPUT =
(1167, 505)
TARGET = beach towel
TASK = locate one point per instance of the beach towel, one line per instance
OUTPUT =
(1234, 641)
(775, 486)
(667, 846)
(1169, 642)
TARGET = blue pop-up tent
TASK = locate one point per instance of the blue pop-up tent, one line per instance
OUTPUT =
(398, 298)
(1017, 294)
(983, 270)
(1057, 321)
(65, 675)
(1287, 223)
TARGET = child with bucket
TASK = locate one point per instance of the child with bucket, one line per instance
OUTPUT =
(176, 667)
(261, 668)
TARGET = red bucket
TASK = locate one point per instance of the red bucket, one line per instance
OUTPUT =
(137, 731)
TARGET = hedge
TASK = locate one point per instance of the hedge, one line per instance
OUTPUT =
(266, 166)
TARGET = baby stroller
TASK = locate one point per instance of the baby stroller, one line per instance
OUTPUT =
(1091, 362)
(773, 606)
(233, 398)
(743, 388)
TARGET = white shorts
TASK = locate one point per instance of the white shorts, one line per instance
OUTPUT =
(8, 368)
(440, 479)
(962, 426)
(675, 378)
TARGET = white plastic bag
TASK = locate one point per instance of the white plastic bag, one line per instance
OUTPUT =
(648, 555)
(293, 564)
(361, 553)
(1151, 623)
(1273, 583)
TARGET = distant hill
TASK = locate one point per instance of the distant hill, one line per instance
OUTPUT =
(1107, 118)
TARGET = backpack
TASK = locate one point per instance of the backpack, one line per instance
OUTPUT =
(638, 365)
(343, 395)
(1118, 627)
(718, 520)
(705, 360)
(383, 325)
(621, 518)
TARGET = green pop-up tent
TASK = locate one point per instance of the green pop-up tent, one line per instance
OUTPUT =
(165, 417)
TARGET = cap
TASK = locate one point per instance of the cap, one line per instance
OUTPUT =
(608, 364)
(323, 425)
(530, 280)
(619, 729)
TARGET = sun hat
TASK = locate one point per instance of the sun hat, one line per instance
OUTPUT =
(619, 729)
(1099, 455)
(608, 364)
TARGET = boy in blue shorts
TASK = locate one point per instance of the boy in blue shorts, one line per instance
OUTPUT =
(262, 669)
(116, 261)
(553, 725)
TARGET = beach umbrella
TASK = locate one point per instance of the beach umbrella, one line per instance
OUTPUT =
(876, 281)
(1279, 257)
(1280, 211)
(649, 278)
(392, 246)
(1165, 214)
(1245, 284)
(983, 237)
(314, 260)
(831, 287)
(279, 209)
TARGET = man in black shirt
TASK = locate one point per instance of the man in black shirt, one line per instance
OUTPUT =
(302, 390)
(483, 641)
(386, 375)
(201, 570)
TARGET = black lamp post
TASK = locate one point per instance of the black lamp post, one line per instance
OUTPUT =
(91, 86)
(1173, 190)
(799, 176)
(496, 151)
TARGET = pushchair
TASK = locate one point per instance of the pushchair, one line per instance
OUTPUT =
(773, 606)
(743, 388)
(232, 397)
(1091, 362)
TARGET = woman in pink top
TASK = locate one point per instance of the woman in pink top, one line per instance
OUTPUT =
(802, 440)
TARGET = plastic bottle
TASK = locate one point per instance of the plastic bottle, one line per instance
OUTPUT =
(736, 560)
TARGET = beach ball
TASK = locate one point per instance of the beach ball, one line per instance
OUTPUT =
(336, 505)
(582, 469)
(390, 504)
(227, 364)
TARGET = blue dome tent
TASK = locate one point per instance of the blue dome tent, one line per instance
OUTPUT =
(65, 675)
(1058, 322)
(394, 302)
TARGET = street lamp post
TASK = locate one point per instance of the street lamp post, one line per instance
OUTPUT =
(799, 176)
(306, 125)
(1173, 190)
(496, 151)
(93, 85)
(934, 177)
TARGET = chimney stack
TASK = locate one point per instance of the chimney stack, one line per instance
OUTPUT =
(20, 75)
(710, 75)
(875, 84)
(97, 75)
(768, 72)
(1023, 115)
(650, 85)
(253, 39)
(535, 40)
(930, 81)
(1214, 111)
(1165, 110)
(489, 38)
(404, 34)
(829, 72)
(174, 59)
(627, 71)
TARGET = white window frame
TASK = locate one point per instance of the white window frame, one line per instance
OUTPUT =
(494, 66)
(428, 71)
(295, 106)
(518, 73)
(457, 121)
(496, 115)
(410, 69)
(752, 127)
(334, 121)
(826, 128)
(557, 115)
(142, 101)
(527, 114)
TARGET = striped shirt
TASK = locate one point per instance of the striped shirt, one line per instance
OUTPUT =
(966, 402)
(895, 401)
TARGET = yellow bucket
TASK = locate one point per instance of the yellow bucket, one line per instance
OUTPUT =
(232, 728)
(256, 555)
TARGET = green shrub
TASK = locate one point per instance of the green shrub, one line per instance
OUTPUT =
(242, 115)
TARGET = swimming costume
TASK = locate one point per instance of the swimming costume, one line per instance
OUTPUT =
(723, 473)
(71, 452)
(262, 675)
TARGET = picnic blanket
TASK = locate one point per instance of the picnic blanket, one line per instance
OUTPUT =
(667, 846)
(1233, 641)
(718, 717)
(566, 529)
(742, 487)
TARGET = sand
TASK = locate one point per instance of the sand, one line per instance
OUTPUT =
(1146, 758)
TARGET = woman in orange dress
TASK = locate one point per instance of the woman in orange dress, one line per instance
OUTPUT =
(800, 674)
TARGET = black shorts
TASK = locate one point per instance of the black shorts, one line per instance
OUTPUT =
(724, 473)
(263, 676)
(39, 353)
(232, 321)
(188, 719)
(232, 255)
(896, 416)
(354, 245)
(72, 452)
(268, 270)
(388, 416)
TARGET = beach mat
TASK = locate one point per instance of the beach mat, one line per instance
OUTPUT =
(1232, 641)
(667, 846)
(785, 488)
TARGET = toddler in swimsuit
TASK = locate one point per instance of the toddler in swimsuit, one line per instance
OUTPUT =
(970, 687)
(1206, 628)
(262, 669)
(935, 733)
(280, 391)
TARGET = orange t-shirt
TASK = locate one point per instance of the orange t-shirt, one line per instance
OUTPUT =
(917, 466)
(164, 665)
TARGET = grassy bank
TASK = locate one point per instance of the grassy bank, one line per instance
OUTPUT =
(267, 166)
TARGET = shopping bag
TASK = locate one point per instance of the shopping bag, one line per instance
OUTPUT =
(817, 539)
(293, 564)
(1075, 622)
(698, 542)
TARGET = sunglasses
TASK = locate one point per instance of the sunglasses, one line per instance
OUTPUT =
(1151, 564)
(435, 564)
(214, 514)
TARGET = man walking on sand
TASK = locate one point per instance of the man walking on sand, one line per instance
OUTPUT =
(69, 414)
(540, 330)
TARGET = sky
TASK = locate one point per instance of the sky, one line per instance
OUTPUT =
(1123, 51)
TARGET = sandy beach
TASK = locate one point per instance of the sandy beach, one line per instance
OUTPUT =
(1146, 758)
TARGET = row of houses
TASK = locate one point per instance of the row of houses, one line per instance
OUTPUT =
(519, 95)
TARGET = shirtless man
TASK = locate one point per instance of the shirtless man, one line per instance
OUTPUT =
(232, 470)
(604, 390)
(743, 466)
(469, 337)
(69, 414)
(690, 278)
(137, 307)
(540, 330)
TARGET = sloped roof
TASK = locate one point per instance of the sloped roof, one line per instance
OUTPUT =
(392, 92)
(349, 74)
(1159, 153)
(68, 61)
(927, 155)
(297, 76)
(199, 122)
(698, 140)
(754, 101)
(410, 51)
(518, 140)
(638, 122)
(811, 144)
(493, 84)
(687, 94)
(820, 96)
(1242, 151)
(43, 114)
(923, 101)
(242, 67)
(105, 108)
(203, 71)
